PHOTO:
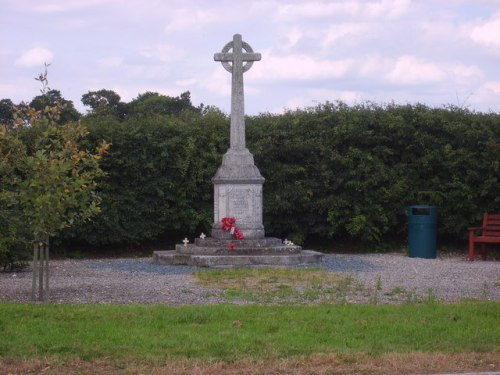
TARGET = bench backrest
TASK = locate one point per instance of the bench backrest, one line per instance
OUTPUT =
(491, 225)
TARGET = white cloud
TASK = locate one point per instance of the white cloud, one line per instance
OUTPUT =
(487, 33)
(409, 70)
(375, 66)
(57, 6)
(7, 90)
(4, 52)
(493, 86)
(340, 31)
(413, 71)
(486, 97)
(386, 8)
(188, 19)
(292, 38)
(318, 9)
(35, 57)
(23, 89)
(323, 95)
(299, 68)
(162, 52)
(443, 29)
(342, 9)
(188, 82)
(218, 82)
(466, 72)
(314, 97)
(110, 62)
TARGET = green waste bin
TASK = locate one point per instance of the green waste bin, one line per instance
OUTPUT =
(422, 228)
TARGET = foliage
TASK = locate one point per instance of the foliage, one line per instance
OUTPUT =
(6, 112)
(57, 187)
(49, 104)
(14, 246)
(54, 99)
(105, 103)
(336, 170)
(152, 103)
(332, 171)
(158, 177)
(47, 180)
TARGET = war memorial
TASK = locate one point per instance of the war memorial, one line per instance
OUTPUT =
(238, 236)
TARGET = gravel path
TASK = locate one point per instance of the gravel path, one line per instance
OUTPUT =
(382, 278)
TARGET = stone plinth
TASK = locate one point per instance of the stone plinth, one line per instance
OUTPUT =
(212, 252)
(238, 194)
(172, 257)
(263, 246)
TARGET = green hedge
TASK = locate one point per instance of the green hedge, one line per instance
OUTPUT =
(333, 171)
(158, 179)
(350, 171)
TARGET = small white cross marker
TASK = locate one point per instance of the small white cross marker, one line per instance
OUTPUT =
(185, 241)
(203, 236)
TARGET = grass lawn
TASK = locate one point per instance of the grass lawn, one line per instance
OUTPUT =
(231, 334)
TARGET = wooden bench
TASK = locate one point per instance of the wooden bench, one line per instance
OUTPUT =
(488, 233)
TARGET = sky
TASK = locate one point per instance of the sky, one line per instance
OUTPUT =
(433, 52)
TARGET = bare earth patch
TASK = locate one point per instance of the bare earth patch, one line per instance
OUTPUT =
(338, 364)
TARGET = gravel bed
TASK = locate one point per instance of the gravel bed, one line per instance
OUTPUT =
(396, 278)
(383, 278)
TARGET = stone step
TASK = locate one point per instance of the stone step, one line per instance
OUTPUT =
(172, 257)
(240, 249)
(245, 243)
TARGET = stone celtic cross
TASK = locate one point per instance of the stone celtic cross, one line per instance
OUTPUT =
(233, 63)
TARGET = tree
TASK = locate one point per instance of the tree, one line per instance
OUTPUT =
(6, 110)
(53, 98)
(48, 180)
(152, 103)
(14, 236)
(105, 103)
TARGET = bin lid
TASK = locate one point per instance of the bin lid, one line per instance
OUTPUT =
(421, 210)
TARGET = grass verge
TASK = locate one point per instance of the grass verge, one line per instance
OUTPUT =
(230, 333)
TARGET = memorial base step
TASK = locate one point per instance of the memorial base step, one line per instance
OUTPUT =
(236, 259)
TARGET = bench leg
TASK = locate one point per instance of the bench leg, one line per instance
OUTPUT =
(472, 254)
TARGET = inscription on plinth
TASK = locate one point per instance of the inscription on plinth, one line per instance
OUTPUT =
(244, 203)
(240, 202)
